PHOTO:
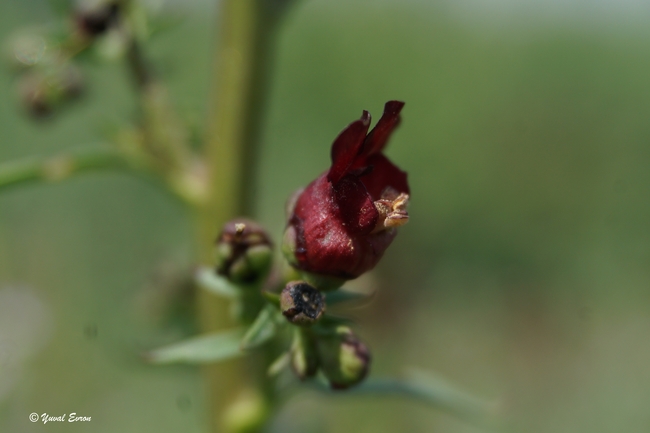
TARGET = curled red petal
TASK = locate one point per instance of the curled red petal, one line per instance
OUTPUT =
(347, 146)
(378, 137)
(355, 205)
(384, 174)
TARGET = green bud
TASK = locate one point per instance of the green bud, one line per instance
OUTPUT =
(244, 252)
(301, 304)
(345, 360)
(247, 414)
(304, 357)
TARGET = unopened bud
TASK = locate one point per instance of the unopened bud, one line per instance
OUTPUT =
(41, 93)
(344, 359)
(97, 20)
(35, 95)
(246, 414)
(244, 251)
(304, 356)
(301, 304)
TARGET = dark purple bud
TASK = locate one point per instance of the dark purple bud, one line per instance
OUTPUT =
(244, 251)
(96, 21)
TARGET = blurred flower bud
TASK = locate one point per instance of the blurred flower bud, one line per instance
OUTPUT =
(344, 359)
(301, 304)
(244, 251)
(341, 223)
(35, 95)
(41, 92)
(96, 20)
(304, 356)
(247, 414)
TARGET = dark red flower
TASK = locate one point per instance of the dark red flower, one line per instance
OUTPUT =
(343, 221)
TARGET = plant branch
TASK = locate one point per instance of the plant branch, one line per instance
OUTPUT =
(138, 66)
(57, 168)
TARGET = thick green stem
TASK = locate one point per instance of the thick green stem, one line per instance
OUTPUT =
(242, 58)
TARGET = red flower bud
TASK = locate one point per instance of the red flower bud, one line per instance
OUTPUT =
(342, 222)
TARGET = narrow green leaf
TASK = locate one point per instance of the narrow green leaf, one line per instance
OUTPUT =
(279, 364)
(341, 295)
(329, 320)
(273, 298)
(431, 390)
(209, 280)
(262, 329)
(199, 350)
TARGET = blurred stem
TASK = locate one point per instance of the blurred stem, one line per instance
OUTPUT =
(138, 66)
(243, 52)
(57, 168)
(61, 167)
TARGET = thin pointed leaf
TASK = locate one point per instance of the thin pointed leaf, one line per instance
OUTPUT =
(199, 350)
(209, 280)
(262, 329)
(330, 320)
(279, 364)
(428, 389)
(273, 298)
(340, 296)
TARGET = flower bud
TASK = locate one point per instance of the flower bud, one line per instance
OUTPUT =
(344, 359)
(244, 251)
(304, 356)
(35, 97)
(247, 414)
(340, 225)
(95, 21)
(301, 304)
(43, 92)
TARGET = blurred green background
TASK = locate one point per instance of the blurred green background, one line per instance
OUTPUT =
(523, 276)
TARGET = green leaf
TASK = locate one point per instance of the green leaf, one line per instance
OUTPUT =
(279, 364)
(61, 7)
(273, 298)
(209, 280)
(263, 328)
(431, 390)
(340, 296)
(199, 350)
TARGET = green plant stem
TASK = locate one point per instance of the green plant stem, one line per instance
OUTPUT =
(58, 168)
(242, 60)
(139, 68)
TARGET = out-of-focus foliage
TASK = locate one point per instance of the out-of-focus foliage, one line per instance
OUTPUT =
(523, 274)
